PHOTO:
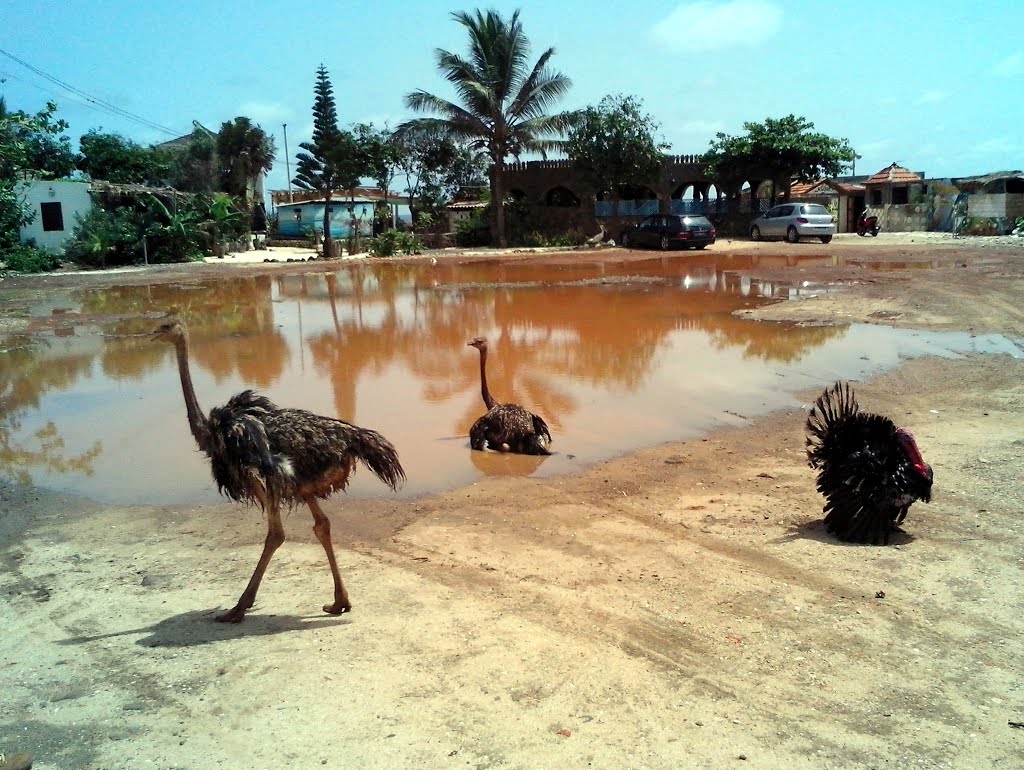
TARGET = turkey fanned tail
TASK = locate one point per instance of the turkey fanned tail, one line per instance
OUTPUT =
(866, 473)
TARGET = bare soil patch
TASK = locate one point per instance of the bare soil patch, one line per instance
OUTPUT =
(680, 607)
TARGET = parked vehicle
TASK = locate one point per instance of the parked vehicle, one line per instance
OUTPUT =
(670, 231)
(794, 221)
(868, 225)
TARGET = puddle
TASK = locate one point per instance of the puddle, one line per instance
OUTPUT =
(614, 357)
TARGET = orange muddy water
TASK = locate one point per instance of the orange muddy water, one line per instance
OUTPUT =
(614, 357)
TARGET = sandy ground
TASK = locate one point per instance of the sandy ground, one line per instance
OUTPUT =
(678, 608)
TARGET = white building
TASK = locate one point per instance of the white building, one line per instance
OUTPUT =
(55, 206)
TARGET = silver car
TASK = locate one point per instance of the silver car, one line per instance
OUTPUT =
(794, 221)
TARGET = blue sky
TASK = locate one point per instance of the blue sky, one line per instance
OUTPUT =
(936, 85)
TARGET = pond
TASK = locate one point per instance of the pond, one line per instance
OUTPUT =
(616, 357)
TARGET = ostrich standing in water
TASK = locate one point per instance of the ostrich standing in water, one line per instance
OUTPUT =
(506, 427)
(263, 454)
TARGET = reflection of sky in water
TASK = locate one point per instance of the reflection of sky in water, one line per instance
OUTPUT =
(614, 365)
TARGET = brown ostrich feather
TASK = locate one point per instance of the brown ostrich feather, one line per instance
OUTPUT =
(506, 427)
(266, 455)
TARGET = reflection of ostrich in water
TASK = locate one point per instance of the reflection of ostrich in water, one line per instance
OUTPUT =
(261, 453)
(506, 427)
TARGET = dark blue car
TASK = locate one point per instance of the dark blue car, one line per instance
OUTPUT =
(670, 231)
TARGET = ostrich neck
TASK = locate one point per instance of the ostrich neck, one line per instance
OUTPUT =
(196, 420)
(489, 401)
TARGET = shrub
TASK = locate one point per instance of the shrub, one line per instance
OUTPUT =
(474, 231)
(106, 238)
(392, 242)
(30, 259)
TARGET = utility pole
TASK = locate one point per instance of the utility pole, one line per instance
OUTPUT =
(287, 164)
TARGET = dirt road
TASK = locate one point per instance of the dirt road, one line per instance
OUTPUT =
(678, 608)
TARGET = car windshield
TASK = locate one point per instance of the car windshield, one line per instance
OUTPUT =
(697, 221)
(814, 208)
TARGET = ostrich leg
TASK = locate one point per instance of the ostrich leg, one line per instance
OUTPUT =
(322, 530)
(275, 536)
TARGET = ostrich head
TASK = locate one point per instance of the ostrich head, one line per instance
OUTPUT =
(478, 342)
(170, 331)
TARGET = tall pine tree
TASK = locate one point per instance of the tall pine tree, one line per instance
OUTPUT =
(332, 160)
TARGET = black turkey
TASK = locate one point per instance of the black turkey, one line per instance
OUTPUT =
(869, 470)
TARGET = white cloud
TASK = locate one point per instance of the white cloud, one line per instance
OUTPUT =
(706, 26)
(266, 113)
(931, 97)
(1011, 66)
(997, 145)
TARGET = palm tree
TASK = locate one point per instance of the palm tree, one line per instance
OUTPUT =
(503, 101)
(245, 151)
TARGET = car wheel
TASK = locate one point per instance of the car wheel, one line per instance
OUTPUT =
(664, 243)
(874, 233)
(755, 233)
(792, 235)
(826, 239)
(625, 240)
(700, 246)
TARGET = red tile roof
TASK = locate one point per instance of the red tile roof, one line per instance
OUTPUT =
(893, 174)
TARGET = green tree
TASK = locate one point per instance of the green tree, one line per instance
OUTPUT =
(34, 145)
(614, 144)
(244, 151)
(779, 149)
(195, 166)
(113, 158)
(383, 154)
(30, 146)
(437, 170)
(503, 101)
(333, 160)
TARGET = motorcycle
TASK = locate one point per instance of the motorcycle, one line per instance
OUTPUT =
(868, 226)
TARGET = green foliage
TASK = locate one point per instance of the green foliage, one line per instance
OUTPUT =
(172, 234)
(24, 258)
(613, 145)
(194, 167)
(333, 159)
(475, 231)
(383, 155)
(14, 214)
(244, 151)
(33, 145)
(569, 238)
(503, 102)
(106, 238)
(392, 242)
(113, 158)
(778, 149)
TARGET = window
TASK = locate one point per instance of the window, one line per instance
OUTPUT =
(876, 197)
(53, 217)
(900, 195)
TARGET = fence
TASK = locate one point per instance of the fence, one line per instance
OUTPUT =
(645, 208)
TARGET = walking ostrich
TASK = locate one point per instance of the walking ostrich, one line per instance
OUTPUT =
(506, 427)
(263, 454)
(869, 470)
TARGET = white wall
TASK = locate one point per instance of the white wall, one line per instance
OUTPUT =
(74, 199)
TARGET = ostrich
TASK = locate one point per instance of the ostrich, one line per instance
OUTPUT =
(263, 454)
(869, 470)
(506, 427)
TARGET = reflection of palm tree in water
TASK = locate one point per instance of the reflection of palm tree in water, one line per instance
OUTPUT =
(31, 370)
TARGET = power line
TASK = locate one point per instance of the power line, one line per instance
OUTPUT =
(100, 103)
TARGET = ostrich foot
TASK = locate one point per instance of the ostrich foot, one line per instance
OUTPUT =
(234, 615)
(337, 608)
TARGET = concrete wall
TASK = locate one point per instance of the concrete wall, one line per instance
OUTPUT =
(74, 201)
(995, 205)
